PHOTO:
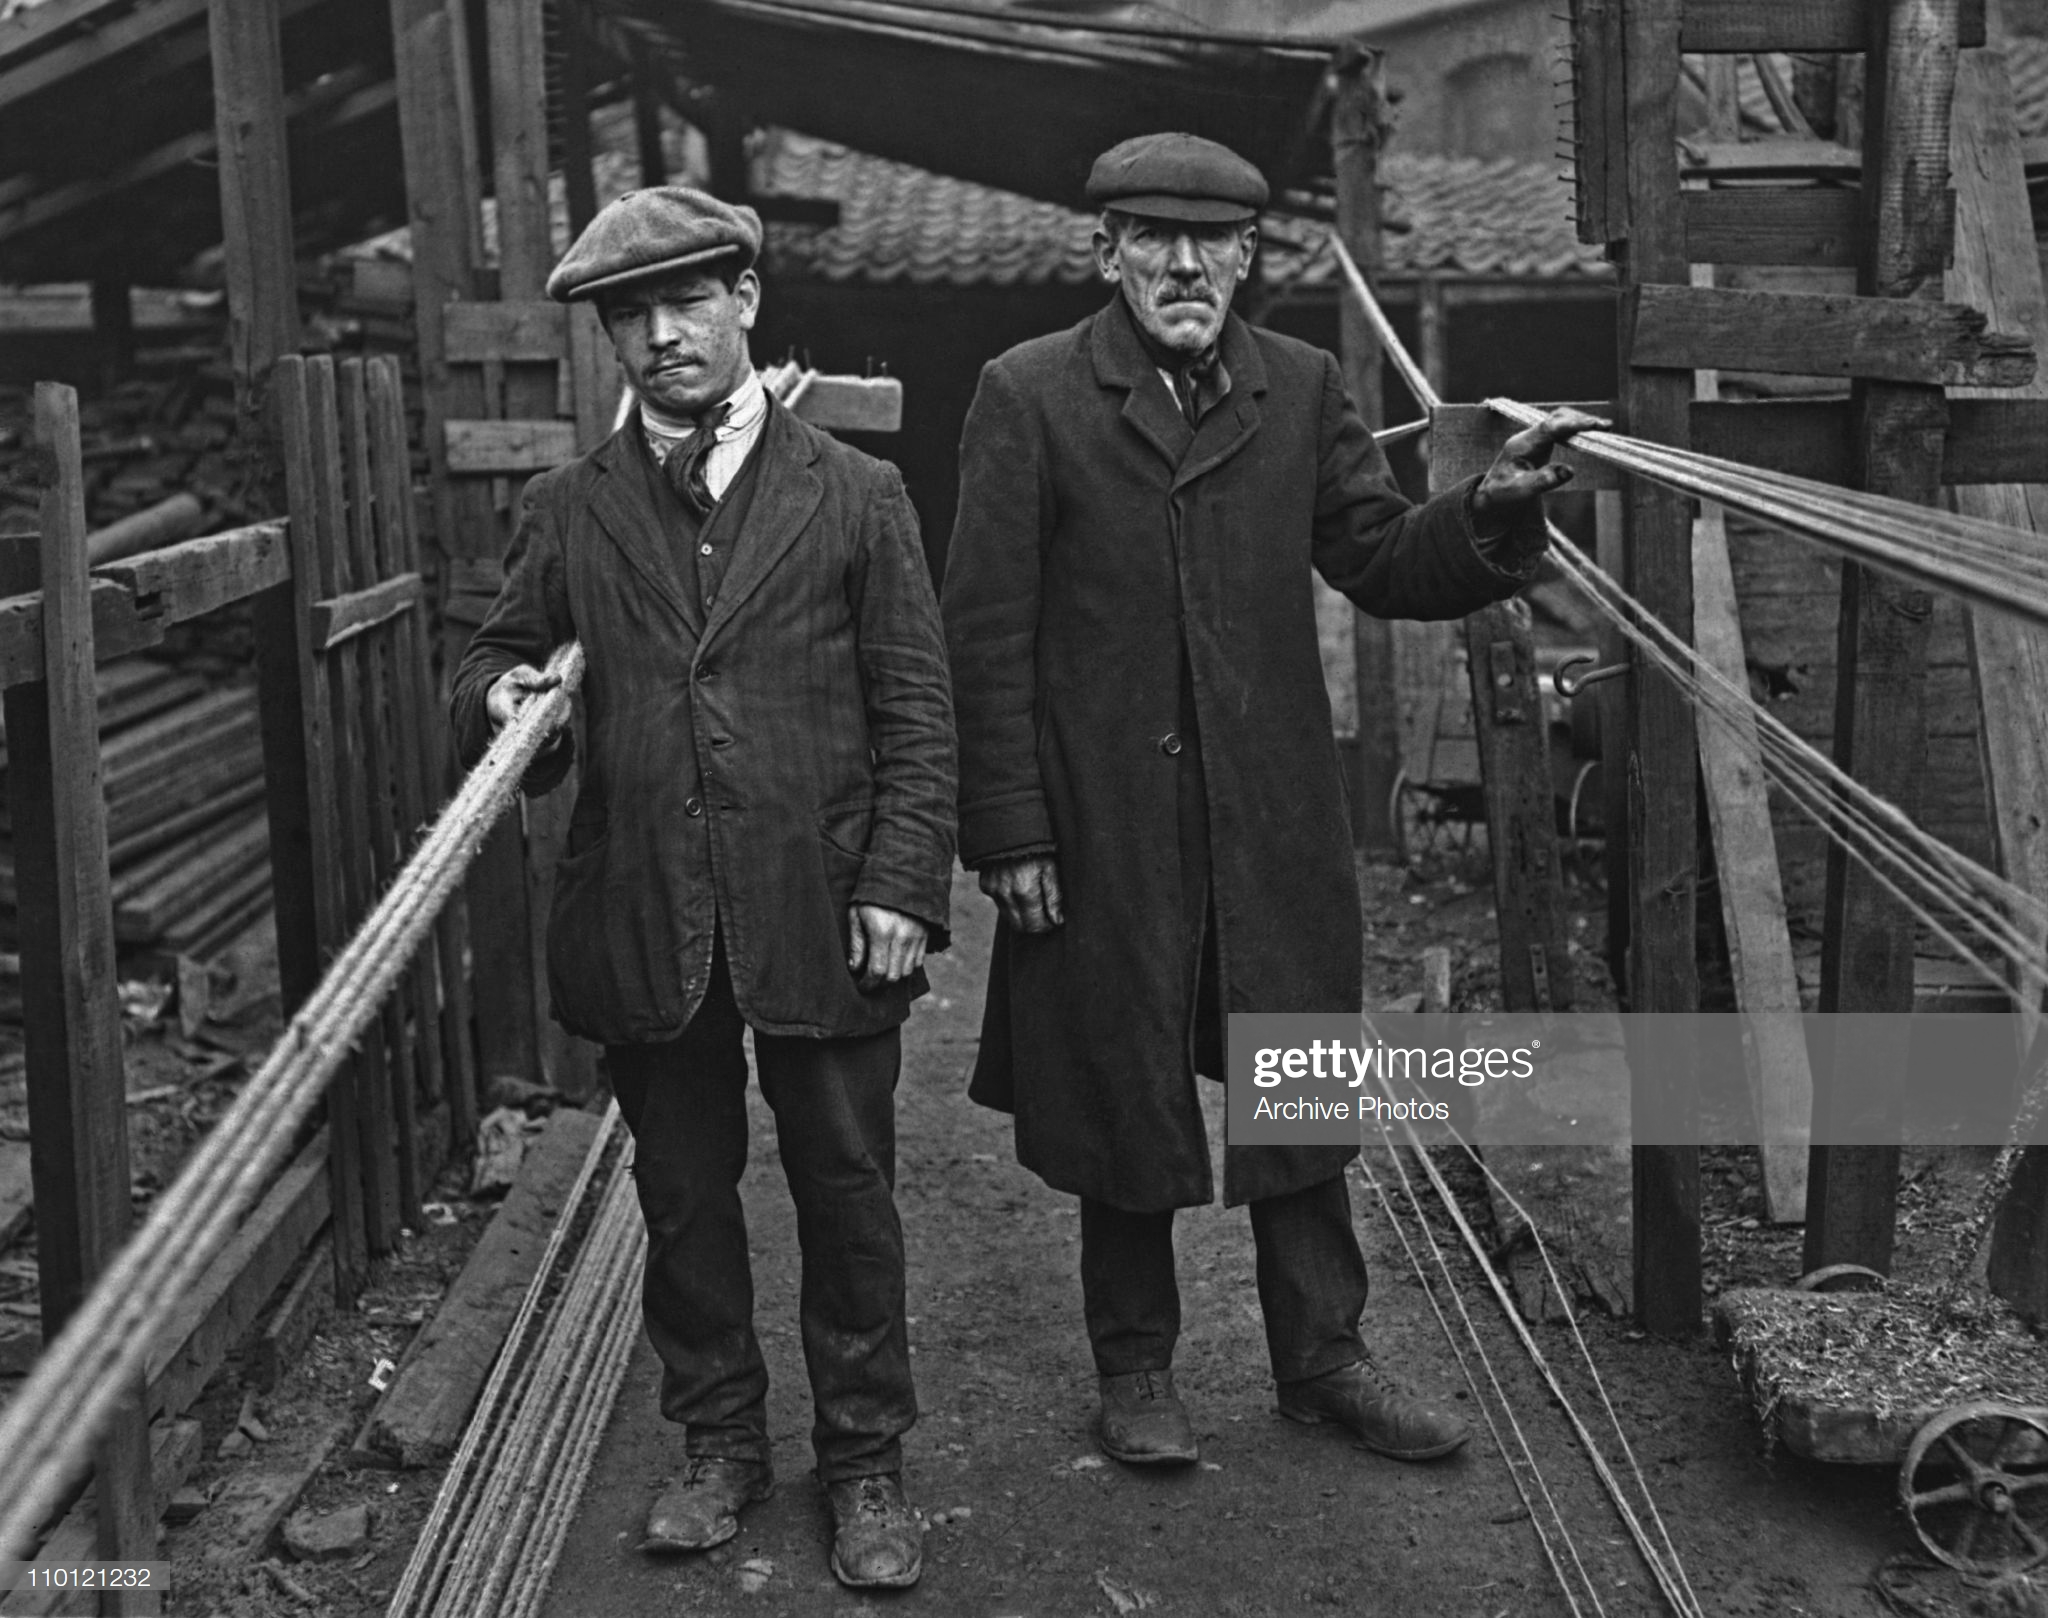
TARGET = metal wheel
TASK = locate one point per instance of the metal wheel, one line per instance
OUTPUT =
(1974, 1485)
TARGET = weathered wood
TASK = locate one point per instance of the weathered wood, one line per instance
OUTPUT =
(496, 447)
(353, 785)
(71, 1014)
(535, 329)
(1781, 157)
(575, 53)
(96, 42)
(853, 404)
(1880, 715)
(1753, 225)
(17, 1189)
(1752, 898)
(298, 734)
(1357, 127)
(1600, 121)
(219, 1312)
(301, 1310)
(519, 146)
(255, 1499)
(1822, 334)
(1794, 25)
(197, 576)
(174, 1450)
(169, 520)
(421, 1416)
(346, 616)
(1998, 268)
(227, 857)
(1661, 765)
(595, 384)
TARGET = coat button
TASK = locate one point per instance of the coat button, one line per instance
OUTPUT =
(1169, 744)
(693, 807)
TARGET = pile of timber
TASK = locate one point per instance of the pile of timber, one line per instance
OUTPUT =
(182, 765)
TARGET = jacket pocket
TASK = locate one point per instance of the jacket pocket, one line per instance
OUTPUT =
(845, 828)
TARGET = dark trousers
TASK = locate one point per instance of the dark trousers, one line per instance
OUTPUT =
(835, 1128)
(1311, 1274)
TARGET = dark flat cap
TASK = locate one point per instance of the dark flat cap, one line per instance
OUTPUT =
(1170, 176)
(654, 232)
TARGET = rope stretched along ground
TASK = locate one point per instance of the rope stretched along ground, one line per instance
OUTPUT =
(48, 1431)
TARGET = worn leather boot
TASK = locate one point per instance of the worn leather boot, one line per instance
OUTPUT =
(701, 1508)
(1143, 1421)
(877, 1541)
(1380, 1413)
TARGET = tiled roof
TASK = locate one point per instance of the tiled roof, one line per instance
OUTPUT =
(901, 224)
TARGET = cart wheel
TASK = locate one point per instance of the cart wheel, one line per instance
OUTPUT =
(1974, 1485)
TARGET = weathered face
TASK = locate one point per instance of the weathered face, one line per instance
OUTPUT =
(1177, 275)
(682, 340)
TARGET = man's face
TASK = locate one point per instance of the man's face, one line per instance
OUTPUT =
(683, 339)
(1177, 275)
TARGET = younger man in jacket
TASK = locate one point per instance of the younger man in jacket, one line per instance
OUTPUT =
(763, 840)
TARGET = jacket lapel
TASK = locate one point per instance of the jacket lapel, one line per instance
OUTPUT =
(622, 500)
(786, 496)
(1120, 362)
(1229, 426)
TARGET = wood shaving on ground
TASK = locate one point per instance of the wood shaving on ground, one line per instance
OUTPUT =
(1891, 1353)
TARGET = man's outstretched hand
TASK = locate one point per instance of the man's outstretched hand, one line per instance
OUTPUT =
(1522, 471)
(1026, 891)
(883, 945)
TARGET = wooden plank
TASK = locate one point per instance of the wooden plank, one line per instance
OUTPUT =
(353, 784)
(1880, 733)
(373, 658)
(1778, 158)
(442, 1047)
(118, 629)
(175, 1449)
(304, 831)
(1600, 192)
(222, 1309)
(515, 46)
(17, 1194)
(296, 1321)
(202, 575)
(1990, 439)
(71, 1015)
(853, 404)
(92, 46)
(1794, 25)
(594, 380)
(1754, 225)
(498, 447)
(422, 1414)
(1661, 765)
(1752, 898)
(1357, 128)
(1821, 334)
(531, 329)
(344, 617)
(1997, 267)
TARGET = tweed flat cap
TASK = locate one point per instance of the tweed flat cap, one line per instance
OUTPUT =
(657, 231)
(1172, 176)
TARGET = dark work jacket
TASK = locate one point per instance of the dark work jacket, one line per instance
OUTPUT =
(1106, 558)
(753, 770)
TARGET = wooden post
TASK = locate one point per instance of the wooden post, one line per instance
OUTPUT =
(113, 325)
(647, 117)
(519, 147)
(256, 216)
(578, 179)
(1357, 129)
(71, 1012)
(1611, 552)
(1997, 270)
(1661, 765)
(1881, 639)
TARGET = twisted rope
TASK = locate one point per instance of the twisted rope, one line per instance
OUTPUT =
(47, 1432)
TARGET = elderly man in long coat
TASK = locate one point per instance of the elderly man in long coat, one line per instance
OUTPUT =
(763, 840)
(1149, 787)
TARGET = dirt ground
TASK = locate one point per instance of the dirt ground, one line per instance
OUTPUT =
(1026, 1518)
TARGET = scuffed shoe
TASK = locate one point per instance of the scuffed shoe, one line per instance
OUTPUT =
(1143, 1422)
(701, 1508)
(1379, 1412)
(877, 1541)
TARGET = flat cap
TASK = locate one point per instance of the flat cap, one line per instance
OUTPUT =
(657, 231)
(1173, 176)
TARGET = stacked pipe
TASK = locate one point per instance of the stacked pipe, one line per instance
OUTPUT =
(182, 767)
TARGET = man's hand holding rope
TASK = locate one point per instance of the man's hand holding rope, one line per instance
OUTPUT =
(1523, 471)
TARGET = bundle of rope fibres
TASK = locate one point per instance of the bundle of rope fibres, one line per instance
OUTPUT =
(48, 1430)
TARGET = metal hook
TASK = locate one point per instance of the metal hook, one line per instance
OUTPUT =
(1567, 687)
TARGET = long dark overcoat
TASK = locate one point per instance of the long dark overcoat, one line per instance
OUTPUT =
(1103, 553)
(755, 770)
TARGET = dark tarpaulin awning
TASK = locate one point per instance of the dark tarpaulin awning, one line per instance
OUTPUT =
(1017, 99)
